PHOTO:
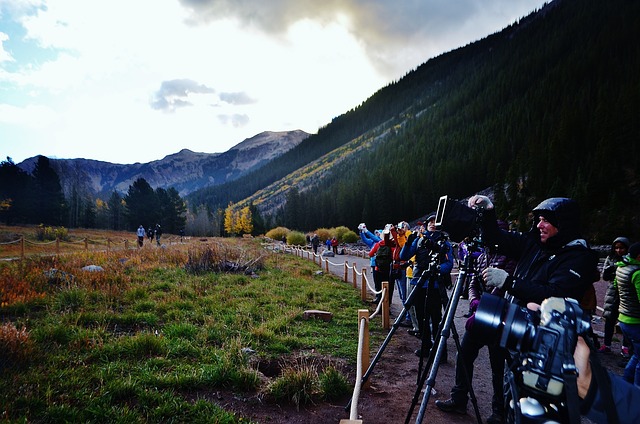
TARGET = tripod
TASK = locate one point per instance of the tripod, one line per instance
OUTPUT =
(446, 326)
(394, 327)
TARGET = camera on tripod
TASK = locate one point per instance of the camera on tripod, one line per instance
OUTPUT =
(542, 343)
(458, 220)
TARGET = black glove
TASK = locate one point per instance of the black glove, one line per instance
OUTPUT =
(609, 273)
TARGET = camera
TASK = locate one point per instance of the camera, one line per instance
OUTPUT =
(457, 219)
(541, 343)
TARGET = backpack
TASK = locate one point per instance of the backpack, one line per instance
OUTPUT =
(383, 256)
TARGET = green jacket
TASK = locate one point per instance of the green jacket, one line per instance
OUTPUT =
(628, 281)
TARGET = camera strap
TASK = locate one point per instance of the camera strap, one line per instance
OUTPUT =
(573, 400)
(604, 386)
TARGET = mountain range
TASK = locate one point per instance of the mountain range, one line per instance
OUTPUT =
(186, 171)
(546, 107)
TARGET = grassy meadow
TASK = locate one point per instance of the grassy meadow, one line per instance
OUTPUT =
(143, 339)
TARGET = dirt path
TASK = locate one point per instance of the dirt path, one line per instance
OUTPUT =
(393, 381)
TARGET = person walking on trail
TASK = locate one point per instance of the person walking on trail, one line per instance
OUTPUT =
(315, 242)
(619, 248)
(140, 233)
(158, 234)
(334, 245)
(382, 252)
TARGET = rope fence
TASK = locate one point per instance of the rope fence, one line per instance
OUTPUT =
(22, 247)
(382, 309)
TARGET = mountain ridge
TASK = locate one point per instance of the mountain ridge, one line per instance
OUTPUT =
(185, 170)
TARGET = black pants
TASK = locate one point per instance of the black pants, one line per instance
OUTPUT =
(428, 304)
(469, 349)
(381, 274)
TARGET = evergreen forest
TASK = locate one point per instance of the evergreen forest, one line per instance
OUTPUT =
(547, 107)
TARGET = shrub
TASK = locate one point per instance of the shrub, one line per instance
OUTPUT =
(323, 233)
(350, 237)
(223, 258)
(298, 384)
(296, 238)
(339, 233)
(70, 300)
(277, 233)
(49, 233)
(16, 347)
(333, 385)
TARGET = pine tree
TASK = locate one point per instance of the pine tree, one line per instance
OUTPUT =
(48, 199)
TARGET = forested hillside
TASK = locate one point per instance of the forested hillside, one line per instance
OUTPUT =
(547, 107)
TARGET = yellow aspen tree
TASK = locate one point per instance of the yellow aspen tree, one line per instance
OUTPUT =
(245, 226)
(229, 220)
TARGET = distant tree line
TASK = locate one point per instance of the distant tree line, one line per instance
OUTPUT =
(39, 199)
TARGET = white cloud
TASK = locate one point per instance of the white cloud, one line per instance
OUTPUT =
(5, 56)
(98, 74)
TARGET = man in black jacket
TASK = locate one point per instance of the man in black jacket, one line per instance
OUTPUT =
(553, 259)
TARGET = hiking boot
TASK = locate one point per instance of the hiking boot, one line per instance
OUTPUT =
(604, 349)
(415, 333)
(625, 352)
(450, 405)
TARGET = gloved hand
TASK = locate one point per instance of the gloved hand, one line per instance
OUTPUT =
(469, 323)
(495, 277)
(478, 201)
(609, 273)
(473, 305)
(362, 227)
(411, 238)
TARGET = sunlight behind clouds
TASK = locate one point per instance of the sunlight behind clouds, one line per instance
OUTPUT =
(99, 77)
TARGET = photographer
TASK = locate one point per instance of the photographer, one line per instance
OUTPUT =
(431, 276)
(553, 260)
(472, 342)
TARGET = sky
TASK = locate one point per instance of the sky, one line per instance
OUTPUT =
(128, 81)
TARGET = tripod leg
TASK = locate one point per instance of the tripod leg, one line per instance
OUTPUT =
(443, 334)
(437, 351)
(472, 395)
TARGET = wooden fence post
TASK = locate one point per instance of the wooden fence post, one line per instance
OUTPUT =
(22, 247)
(346, 272)
(86, 243)
(363, 285)
(364, 314)
(385, 306)
(355, 276)
(108, 244)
